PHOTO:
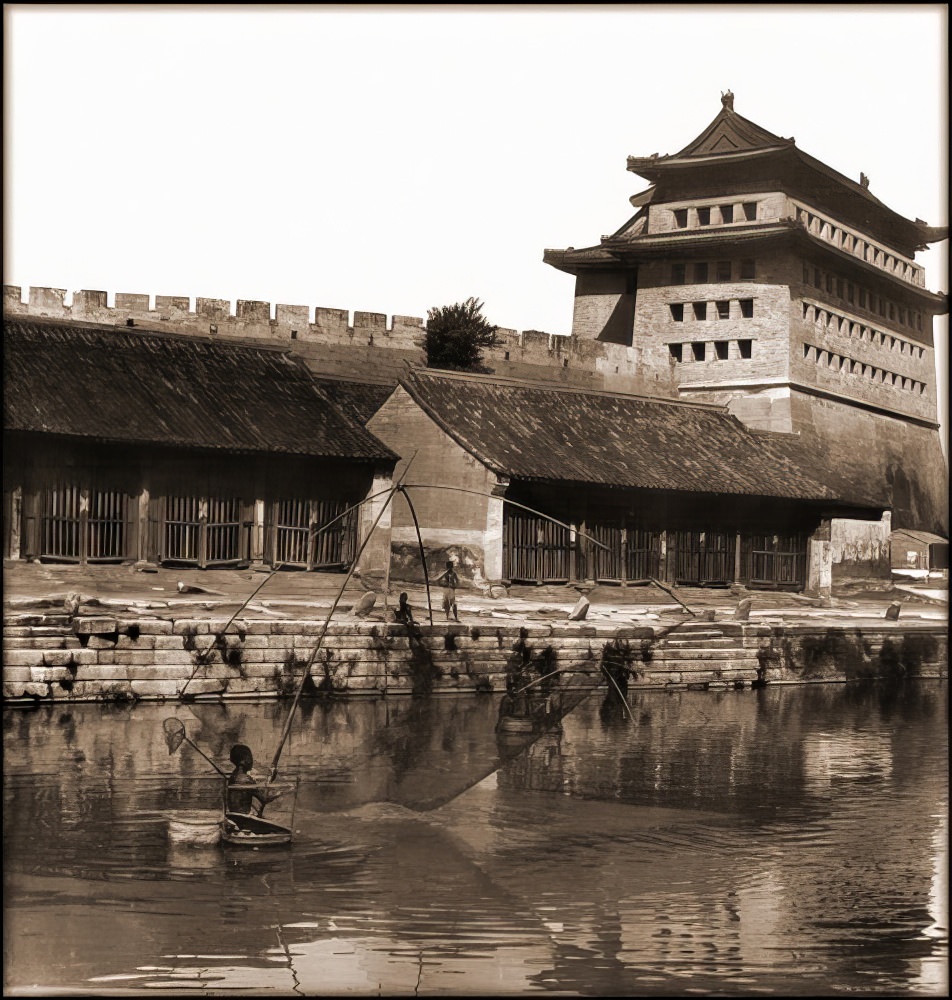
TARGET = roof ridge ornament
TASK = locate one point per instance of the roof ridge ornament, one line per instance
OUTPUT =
(727, 100)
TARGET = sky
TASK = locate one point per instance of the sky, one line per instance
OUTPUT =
(397, 158)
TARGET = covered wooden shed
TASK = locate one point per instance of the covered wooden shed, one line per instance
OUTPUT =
(125, 444)
(518, 480)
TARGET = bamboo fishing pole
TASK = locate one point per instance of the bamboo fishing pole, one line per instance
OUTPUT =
(391, 493)
(312, 533)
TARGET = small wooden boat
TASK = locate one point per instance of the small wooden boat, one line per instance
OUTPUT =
(252, 831)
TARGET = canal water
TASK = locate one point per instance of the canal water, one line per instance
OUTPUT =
(787, 841)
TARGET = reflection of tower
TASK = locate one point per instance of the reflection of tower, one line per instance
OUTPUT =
(539, 769)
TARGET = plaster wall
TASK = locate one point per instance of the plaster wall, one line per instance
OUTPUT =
(449, 519)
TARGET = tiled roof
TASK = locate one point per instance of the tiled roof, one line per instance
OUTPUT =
(535, 432)
(99, 382)
(925, 537)
(359, 400)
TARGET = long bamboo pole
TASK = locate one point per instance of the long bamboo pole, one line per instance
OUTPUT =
(426, 573)
(306, 673)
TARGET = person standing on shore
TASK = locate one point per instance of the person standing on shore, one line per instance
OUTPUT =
(450, 581)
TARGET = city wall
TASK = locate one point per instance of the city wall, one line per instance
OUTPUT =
(331, 341)
(51, 657)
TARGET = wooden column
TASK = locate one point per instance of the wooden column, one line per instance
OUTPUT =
(83, 524)
(16, 522)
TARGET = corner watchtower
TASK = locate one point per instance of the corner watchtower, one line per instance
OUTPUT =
(754, 275)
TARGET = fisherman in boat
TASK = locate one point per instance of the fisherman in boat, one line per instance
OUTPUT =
(244, 793)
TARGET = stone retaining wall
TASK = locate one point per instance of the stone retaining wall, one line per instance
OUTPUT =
(126, 658)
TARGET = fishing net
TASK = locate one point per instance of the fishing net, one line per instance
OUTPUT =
(174, 734)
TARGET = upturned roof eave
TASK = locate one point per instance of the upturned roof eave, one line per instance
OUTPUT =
(918, 234)
(571, 261)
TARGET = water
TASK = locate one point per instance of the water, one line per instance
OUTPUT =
(789, 841)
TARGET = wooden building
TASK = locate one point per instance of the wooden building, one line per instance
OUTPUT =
(122, 444)
(753, 275)
(918, 552)
(515, 480)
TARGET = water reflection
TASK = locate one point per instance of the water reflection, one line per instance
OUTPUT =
(783, 840)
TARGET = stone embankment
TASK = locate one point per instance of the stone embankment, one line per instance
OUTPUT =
(63, 657)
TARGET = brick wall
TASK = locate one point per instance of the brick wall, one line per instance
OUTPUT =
(123, 658)
(467, 525)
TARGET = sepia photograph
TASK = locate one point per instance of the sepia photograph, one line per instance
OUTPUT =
(475, 500)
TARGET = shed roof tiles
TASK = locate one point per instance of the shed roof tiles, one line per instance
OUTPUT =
(531, 431)
(91, 381)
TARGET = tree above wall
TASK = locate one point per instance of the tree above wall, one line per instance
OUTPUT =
(456, 336)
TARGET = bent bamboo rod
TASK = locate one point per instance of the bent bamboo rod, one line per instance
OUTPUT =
(416, 524)
(532, 510)
(575, 670)
(306, 673)
(313, 533)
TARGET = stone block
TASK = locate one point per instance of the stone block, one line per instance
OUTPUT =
(85, 657)
(95, 626)
(58, 657)
(140, 643)
(151, 626)
(580, 611)
(49, 675)
(101, 642)
(26, 643)
(22, 657)
(155, 689)
(186, 626)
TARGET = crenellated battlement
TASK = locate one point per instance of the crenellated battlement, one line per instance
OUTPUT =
(332, 341)
(211, 317)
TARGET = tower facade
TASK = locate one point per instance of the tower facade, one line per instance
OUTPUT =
(753, 275)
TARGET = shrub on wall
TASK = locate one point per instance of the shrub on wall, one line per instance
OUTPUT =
(456, 336)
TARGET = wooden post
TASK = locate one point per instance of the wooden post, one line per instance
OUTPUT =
(142, 522)
(737, 565)
(202, 533)
(624, 556)
(83, 524)
(16, 522)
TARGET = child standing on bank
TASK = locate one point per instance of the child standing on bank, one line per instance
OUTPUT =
(450, 582)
